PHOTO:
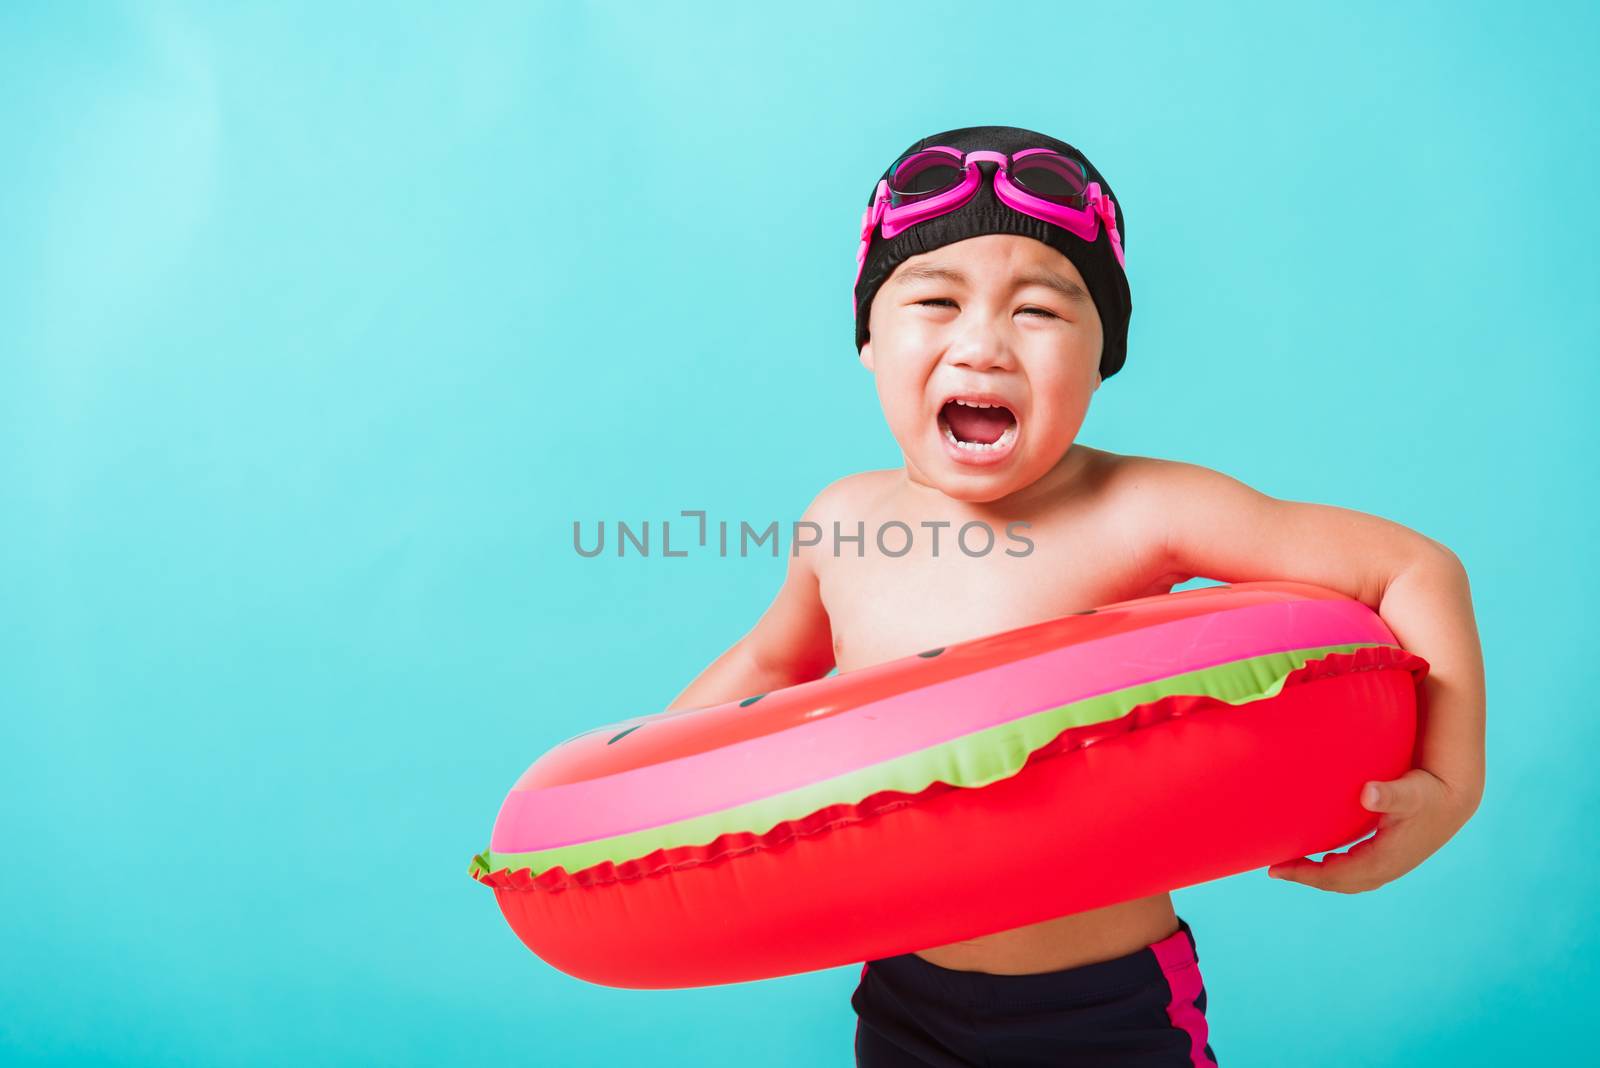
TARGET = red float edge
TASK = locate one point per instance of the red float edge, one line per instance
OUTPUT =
(832, 817)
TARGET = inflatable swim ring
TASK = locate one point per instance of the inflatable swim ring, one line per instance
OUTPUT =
(1111, 754)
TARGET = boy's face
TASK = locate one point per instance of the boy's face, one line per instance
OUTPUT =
(979, 319)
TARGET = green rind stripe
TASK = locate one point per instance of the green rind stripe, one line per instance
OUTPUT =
(971, 761)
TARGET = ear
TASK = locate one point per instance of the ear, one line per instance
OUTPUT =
(866, 356)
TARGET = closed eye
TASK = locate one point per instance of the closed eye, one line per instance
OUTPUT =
(943, 300)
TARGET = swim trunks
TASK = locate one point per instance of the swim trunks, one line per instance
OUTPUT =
(1146, 1009)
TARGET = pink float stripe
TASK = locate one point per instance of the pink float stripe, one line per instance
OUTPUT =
(1178, 964)
(659, 794)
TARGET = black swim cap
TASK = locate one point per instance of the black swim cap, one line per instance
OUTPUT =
(987, 214)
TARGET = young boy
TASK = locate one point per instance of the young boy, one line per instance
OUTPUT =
(991, 303)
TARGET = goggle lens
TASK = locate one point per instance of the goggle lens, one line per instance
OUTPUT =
(924, 174)
(1053, 177)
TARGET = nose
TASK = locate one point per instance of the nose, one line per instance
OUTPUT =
(980, 358)
(980, 347)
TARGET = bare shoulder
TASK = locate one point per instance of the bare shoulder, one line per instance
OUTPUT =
(1144, 495)
(844, 501)
(1212, 524)
(1130, 485)
(1129, 471)
(850, 496)
(1141, 482)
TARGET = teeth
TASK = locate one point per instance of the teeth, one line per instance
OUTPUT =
(978, 446)
(974, 404)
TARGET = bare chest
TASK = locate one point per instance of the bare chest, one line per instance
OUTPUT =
(884, 607)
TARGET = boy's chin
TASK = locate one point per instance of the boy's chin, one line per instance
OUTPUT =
(983, 483)
(974, 485)
(980, 494)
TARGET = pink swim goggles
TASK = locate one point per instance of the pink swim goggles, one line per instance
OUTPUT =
(1040, 182)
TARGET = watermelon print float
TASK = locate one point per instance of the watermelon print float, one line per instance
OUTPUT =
(1107, 755)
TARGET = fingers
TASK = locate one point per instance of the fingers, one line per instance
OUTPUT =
(1360, 868)
(1400, 797)
(1417, 819)
(1288, 869)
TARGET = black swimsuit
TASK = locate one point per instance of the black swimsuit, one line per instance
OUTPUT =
(1145, 1009)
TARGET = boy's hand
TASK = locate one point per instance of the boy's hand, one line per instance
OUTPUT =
(1420, 812)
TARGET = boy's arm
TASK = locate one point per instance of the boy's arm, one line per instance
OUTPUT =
(790, 644)
(1214, 526)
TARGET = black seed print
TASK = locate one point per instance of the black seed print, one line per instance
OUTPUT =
(931, 653)
(748, 701)
(627, 732)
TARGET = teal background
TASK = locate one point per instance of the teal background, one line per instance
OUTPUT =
(320, 325)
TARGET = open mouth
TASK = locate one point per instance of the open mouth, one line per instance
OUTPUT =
(977, 426)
